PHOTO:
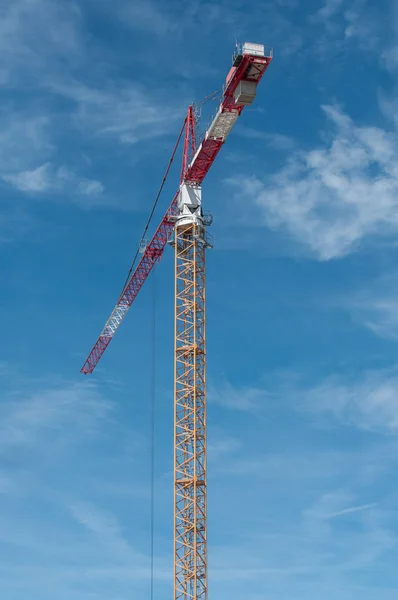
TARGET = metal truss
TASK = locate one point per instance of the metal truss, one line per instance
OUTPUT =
(190, 542)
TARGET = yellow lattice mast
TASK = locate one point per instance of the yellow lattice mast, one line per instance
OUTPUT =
(190, 493)
(190, 543)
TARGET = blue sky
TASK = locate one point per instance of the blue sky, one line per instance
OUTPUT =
(302, 298)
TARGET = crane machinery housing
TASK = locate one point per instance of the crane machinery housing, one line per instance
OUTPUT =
(184, 226)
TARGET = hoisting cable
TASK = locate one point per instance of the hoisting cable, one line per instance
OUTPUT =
(154, 206)
(152, 426)
(212, 96)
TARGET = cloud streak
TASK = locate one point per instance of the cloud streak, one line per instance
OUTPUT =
(30, 418)
(367, 400)
(352, 510)
(126, 112)
(48, 179)
(243, 398)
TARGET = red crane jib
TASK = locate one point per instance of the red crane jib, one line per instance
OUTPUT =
(250, 68)
(152, 253)
(246, 68)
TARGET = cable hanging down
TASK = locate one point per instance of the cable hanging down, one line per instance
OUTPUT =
(213, 96)
(152, 438)
(154, 205)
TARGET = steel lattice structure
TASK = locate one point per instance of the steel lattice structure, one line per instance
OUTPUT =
(184, 226)
(190, 539)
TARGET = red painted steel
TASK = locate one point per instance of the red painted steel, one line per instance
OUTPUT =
(189, 142)
(149, 258)
(248, 68)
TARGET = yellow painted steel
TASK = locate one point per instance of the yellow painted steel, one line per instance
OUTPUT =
(190, 493)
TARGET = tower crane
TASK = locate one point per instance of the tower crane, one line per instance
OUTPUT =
(184, 226)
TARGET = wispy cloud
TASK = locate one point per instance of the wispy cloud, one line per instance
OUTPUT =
(353, 509)
(325, 197)
(25, 138)
(278, 141)
(238, 398)
(380, 315)
(47, 178)
(28, 418)
(220, 445)
(107, 531)
(146, 16)
(390, 58)
(323, 538)
(321, 521)
(124, 111)
(334, 504)
(34, 180)
(376, 308)
(389, 53)
(367, 401)
(342, 26)
(329, 9)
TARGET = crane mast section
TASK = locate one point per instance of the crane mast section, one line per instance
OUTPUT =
(190, 505)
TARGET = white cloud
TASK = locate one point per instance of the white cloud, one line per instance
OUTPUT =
(242, 398)
(329, 9)
(353, 509)
(106, 529)
(34, 180)
(126, 112)
(335, 196)
(374, 307)
(30, 418)
(360, 26)
(336, 504)
(90, 187)
(378, 314)
(348, 20)
(368, 401)
(315, 553)
(47, 178)
(389, 47)
(24, 139)
(390, 58)
(44, 46)
(365, 399)
(220, 445)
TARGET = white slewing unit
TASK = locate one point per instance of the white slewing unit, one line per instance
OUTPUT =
(189, 203)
